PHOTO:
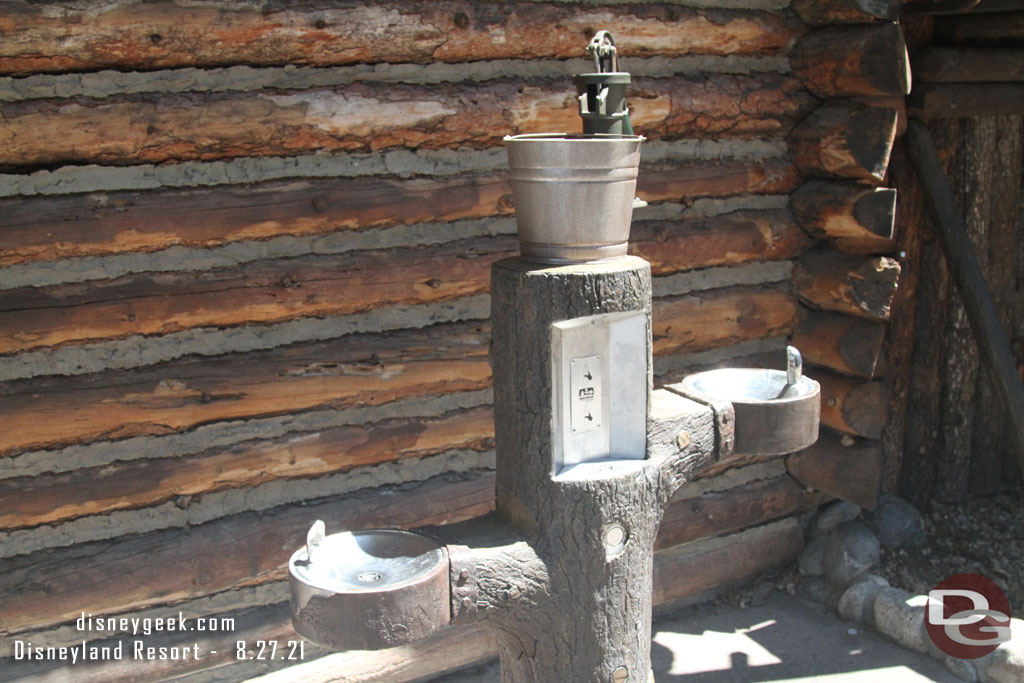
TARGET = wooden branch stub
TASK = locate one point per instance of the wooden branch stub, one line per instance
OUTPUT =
(966, 100)
(852, 346)
(855, 285)
(852, 473)
(844, 210)
(969, 65)
(820, 12)
(847, 61)
(852, 406)
(681, 432)
(845, 142)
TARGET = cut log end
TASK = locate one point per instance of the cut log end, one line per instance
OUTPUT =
(855, 285)
(845, 142)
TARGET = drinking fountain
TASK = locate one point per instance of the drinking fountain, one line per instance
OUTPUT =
(587, 454)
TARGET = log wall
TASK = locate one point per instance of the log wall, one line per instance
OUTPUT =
(244, 270)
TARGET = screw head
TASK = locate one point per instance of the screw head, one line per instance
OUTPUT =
(683, 439)
(614, 536)
(620, 675)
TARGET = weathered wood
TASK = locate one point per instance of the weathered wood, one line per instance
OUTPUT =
(938, 6)
(721, 318)
(980, 310)
(969, 65)
(718, 513)
(982, 27)
(845, 142)
(259, 291)
(250, 549)
(963, 100)
(853, 60)
(152, 128)
(851, 473)
(48, 498)
(851, 406)
(68, 226)
(819, 12)
(130, 34)
(732, 239)
(690, 569)
(364, 370)
(855, 285)
(845, 210)
(852, 346)
(180, 395)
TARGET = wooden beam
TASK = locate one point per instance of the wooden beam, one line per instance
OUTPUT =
(719, 513)
(362, 117)
(68, 226)
(368, 369)
(982, 27)
(938, 6)
(844, 142)
(820, 12)
(966, 100)
(138, 35)
(732, 239)
(721, 318)
(847, 61)
(260, 291)
(852, 406)
(244, 550)
(851, 473)
(969, 65)
(855, 285)
(49, 498)
(845, 210)
(852, 346)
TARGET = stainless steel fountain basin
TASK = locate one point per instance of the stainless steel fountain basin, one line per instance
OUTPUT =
(369, 590)
(773, 416)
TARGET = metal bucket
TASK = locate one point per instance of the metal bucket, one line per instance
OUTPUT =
(573, 194)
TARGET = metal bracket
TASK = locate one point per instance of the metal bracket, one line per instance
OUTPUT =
(465, 591)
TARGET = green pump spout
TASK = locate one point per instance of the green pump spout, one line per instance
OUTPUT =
(602, 94)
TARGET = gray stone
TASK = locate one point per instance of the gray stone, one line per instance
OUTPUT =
(897, 523)
(857, 601)
(833, 515)
(899, 615)
(810, 557)
(961, 668)
(817, 589)
(850, 550)
(1006, 664)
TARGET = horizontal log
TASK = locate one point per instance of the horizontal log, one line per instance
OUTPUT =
(731, 239)
(855, 285)
(153, 128)
(982, 27)
(845, 142)
(260, 291)
(721, 318)
(167, 566)
(939, 6)
(51, 228)
(820, 12)
(851, 406)
(967, 100)
(137, 35)
(689, 570)
(48, 498)
(852, 346)
(968, 65)
(718, 513)
(847, 61)
(51, 412)
(845, 210)
(851, 473)
(181, 395)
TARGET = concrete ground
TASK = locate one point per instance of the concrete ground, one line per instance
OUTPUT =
(785, 639)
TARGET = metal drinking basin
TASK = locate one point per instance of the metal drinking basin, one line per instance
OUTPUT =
(368, 590)
(776, 411)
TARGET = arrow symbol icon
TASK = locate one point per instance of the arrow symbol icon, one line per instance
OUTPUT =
(588, 375)
(589, 416)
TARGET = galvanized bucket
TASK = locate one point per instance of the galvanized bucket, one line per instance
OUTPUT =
(573, 194)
